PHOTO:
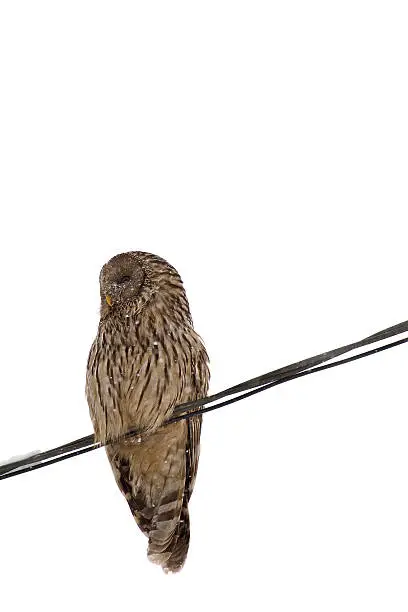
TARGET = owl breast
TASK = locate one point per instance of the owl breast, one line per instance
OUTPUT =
(138, 384)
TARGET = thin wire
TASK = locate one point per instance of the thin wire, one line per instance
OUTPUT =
(88, 441)
(277, 377)
(327, 366)
(299, 366)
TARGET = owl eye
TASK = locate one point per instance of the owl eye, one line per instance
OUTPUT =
(123, 280)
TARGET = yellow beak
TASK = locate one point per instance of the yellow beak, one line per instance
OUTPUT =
(109, 300)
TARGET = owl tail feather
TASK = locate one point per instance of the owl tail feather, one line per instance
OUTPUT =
(169, 540)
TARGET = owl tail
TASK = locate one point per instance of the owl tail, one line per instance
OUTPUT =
(169, 537)
(154, 477)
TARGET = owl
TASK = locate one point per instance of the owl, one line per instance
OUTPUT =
(145, 360)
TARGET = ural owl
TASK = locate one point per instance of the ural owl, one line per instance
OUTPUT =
(146, 359)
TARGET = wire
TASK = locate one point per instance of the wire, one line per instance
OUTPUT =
(201, 406)
(299, 366)
(287, 379)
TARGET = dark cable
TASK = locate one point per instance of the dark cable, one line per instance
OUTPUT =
(286, 379)
(299, 366)
(243, 390)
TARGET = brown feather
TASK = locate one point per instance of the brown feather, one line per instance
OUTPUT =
(145, 360)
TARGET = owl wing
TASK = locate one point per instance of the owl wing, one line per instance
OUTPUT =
(192, 452)
(121, 466)
(181, 538)
(200, 376)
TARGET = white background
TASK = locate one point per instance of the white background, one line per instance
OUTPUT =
(260, 147)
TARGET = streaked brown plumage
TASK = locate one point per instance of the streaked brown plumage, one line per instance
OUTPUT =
(145, 360)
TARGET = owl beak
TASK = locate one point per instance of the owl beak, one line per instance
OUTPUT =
(109, 300)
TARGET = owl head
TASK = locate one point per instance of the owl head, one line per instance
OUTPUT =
(131, 280)
(121, 280)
